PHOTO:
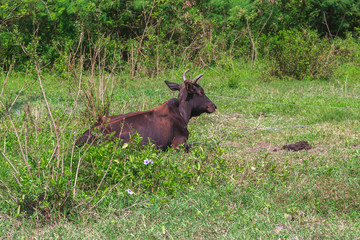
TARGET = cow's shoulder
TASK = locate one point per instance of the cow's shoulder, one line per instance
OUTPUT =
(173, 103)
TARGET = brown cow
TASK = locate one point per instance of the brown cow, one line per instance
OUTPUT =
(164, 126)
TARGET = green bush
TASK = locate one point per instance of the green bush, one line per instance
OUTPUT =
(348, 49)
(150, 36)
(86, 176)
(145, 169)
(299, 54)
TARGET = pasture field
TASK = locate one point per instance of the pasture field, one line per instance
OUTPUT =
(235, 183)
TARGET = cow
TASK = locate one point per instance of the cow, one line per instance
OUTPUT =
(164, 126)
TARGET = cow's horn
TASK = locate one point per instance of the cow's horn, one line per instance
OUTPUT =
(197, 78)
(184, 77)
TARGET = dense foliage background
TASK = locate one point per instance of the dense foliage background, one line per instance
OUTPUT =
(149, 36)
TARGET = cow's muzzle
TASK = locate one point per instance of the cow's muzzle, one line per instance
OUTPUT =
(211, 108)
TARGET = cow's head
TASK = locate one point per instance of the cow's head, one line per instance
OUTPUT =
(192, 96)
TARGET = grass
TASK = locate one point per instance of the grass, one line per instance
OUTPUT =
(266, 192)
(225, 212)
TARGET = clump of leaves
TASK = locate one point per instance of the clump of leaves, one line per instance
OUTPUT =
(299, 54)
(145, 169)
(94, 173)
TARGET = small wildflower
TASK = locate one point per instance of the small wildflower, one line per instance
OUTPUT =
(75, 134)
(147, 161)
(129, 191)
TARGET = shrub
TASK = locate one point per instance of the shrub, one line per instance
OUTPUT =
(299, 54)
(348, 50)
(87, 176)
(145, 169)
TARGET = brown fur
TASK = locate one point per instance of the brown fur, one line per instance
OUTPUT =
(165, 126)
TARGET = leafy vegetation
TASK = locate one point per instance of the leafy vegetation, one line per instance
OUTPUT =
(147, 37)
(301, 54)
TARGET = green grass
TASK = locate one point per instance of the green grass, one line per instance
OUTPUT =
(224, 212)
(265, 191)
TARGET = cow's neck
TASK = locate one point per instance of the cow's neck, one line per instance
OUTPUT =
(185, 111)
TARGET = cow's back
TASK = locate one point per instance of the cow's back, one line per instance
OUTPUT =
(160, 125)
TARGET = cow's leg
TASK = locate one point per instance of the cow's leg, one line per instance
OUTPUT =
(178, 141)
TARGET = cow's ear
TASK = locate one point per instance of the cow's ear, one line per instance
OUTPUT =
(189, 87)
(173, 86)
